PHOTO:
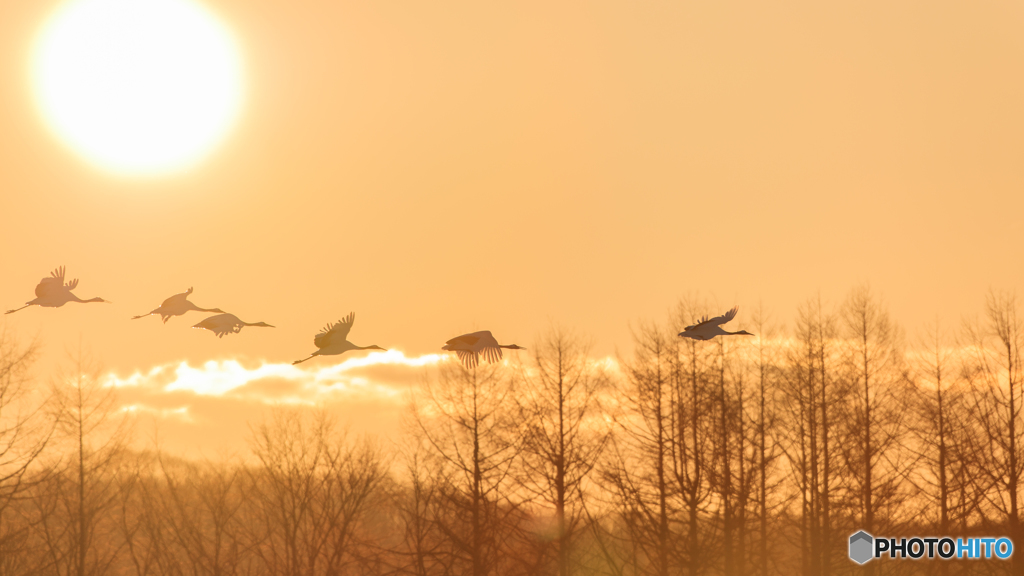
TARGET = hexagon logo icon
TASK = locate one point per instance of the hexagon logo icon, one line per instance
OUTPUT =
(861, 547)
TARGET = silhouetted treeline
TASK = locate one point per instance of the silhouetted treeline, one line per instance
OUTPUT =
(741, 455)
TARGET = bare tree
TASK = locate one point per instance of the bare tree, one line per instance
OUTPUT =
(755, 456)
(730, 476)
(465, 416)
(142, 518)
(767, 375)
(996, 375)
(641, 473)
(24, 433)
(311, 491)
(940, 434)
(202, 503)
(143, 558)
(564, 435)
(813, 395)
(423, 549)
(76, 501)
(876, 423)
(691, 377)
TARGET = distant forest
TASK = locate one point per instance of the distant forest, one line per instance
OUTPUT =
(740, 455)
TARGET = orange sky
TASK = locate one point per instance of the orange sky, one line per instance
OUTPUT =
(441, 167)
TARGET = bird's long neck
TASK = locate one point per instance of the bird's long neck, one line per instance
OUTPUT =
(77, 299)
(257, 324)
(370, 347)
(192, 306)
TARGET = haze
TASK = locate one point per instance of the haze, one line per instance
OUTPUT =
(445, 167)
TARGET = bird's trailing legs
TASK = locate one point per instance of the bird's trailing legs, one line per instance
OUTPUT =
(317, 353)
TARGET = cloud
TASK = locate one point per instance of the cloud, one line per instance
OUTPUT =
(207, 410)
(210, 406)
(388, 370)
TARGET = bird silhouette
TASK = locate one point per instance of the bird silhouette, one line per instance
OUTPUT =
(222, 324)
(469, 347)
(333, 339)
(53, 292)
(176, 306)
(708, 328)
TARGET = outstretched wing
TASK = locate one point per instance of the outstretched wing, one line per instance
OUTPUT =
(467, 357)
(183, 297)
(52, 284)
(221, 324)
(337, 332)
(716, 321)
(470, 347)
(466, 340)
(700, 322)
(492, 354)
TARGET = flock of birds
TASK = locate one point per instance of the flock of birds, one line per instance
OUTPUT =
(54, 292)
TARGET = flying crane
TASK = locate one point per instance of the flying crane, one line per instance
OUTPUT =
(53, 292)
(223, 324)
(333, 339)
(176, 306)
(469, 347)
(708, 328)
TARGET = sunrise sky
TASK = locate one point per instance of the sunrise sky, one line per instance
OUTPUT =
(443, 167)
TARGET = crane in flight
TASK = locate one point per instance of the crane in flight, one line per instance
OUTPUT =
(176, 306)
(222, 324)
(53, 292)
(333, 339)
(708, 328)
(469, 347)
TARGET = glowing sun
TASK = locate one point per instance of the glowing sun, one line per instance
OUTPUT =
(137, 87)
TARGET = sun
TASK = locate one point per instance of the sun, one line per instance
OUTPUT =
(138, 87)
